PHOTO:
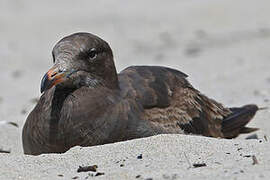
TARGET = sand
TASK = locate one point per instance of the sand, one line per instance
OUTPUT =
(222, 45)
(162, 157)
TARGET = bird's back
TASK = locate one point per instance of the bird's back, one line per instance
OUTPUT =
(171, 104)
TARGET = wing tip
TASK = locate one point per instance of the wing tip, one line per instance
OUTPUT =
(235, 123)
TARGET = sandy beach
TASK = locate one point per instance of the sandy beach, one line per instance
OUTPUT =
(222, 45)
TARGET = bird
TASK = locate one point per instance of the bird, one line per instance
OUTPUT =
(85, 102)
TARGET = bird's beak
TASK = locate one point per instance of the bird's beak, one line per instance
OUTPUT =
(53, 77)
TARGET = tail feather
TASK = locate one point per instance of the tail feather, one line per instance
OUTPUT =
(235, 123)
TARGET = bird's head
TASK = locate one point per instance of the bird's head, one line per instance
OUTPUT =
(81, 59)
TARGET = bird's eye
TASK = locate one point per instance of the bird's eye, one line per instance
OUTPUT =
(92, 53)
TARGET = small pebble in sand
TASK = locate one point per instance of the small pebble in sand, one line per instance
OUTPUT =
(139, 157)
(265, 138)
(254, 159)
(239, 149)
(196, 165)
(99, 174)
(87, 168)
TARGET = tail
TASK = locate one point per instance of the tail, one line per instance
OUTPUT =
(235, 123)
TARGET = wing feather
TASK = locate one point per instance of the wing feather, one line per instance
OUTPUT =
(170, 103)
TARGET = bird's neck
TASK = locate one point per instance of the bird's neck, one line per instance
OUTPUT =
(96, 82)
(108, 74)
(59, 96)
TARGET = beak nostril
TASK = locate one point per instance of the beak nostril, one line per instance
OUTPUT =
(53, 74)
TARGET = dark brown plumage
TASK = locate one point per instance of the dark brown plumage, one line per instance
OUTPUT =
(86, 103)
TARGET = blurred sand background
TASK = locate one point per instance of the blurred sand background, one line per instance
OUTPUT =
(223, 45)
